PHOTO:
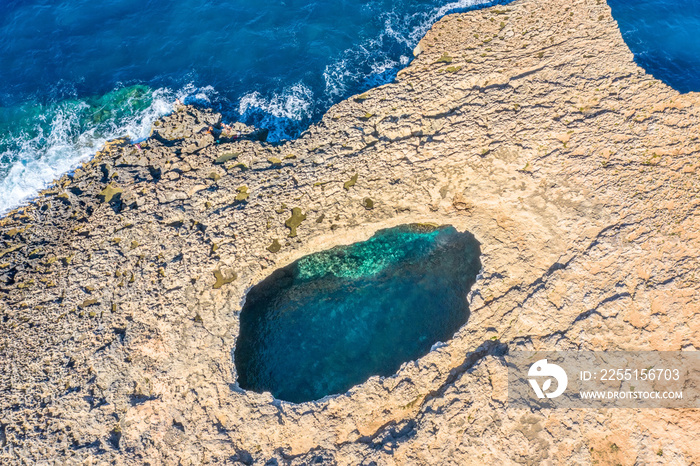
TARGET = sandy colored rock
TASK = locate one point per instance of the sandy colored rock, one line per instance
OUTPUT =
(581, 171)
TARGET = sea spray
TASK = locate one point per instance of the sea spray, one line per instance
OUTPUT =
(38, 143)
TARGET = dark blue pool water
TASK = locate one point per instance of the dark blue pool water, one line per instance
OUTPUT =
(331, 320)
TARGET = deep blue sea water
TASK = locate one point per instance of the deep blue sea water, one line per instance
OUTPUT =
(664, 36)
(74, 73)
(332, 319)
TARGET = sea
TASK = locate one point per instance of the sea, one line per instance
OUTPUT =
(76, 73)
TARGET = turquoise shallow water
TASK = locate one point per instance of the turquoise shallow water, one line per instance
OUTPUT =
(74, 73)
(331, 320)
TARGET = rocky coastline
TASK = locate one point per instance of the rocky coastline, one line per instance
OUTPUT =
(528, 125)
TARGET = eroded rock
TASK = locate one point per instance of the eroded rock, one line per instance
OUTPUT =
(582, 171)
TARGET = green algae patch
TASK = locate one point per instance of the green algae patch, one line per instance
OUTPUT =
(275, 246)
(110, 193)
(294, 221)
(87, 303)
(445, 58)
(243, 194)
(241, 166)
(351, 182)
(223, 279)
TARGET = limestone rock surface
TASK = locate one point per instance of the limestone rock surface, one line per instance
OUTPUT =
(528, 124)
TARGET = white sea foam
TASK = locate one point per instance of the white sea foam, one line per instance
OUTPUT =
(394, 28)
(336, 76)
(294, 102)
(380, 67)
(348, 70)
(192, 95)
(281, 113)
(35, 162)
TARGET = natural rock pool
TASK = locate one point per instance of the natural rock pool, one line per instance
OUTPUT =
(333, 319)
